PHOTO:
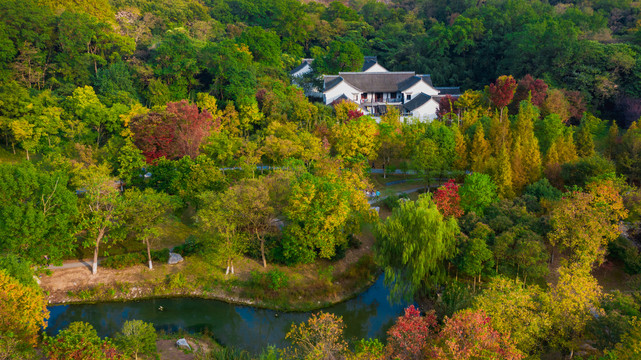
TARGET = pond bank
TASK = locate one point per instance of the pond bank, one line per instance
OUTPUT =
(298, 288)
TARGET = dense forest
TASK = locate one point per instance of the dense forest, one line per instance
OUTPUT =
(124, 119)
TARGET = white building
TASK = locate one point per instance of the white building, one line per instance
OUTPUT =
(374, 88)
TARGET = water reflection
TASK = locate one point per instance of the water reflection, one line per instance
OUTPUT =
(368, 315)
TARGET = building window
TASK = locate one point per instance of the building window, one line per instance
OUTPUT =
(364, 96)
(409, 97)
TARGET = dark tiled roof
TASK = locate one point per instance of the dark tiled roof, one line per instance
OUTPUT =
(416, 102)
(428, 79)
(375, 81)
(413, 80)
(368, 62)
(449, 90)
(301, 66)
(408, 83)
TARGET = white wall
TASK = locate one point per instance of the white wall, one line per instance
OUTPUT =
(427, 111)
(340, 89)
(419, 87)
(376, 68)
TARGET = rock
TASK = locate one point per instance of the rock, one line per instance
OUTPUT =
(174, 258)
(183, 344)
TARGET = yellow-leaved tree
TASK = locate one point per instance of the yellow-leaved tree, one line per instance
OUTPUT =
(23, 312)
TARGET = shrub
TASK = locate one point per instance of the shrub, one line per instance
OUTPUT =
(160, 255)
(277, 279)
(79, 341)
(273, 279)
(192, 245)
(123, 261)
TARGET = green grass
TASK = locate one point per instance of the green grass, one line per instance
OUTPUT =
(172, 233)
(8, 157)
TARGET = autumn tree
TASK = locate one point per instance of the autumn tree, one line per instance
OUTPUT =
(412, 245)
(320, 338)
(23, 313)
(479, 150)
(173, 133)
(518, 310)
(530, 165)
(585, 222)
(574, 299)
(534, 89)
(446, 106)
(447, 199)
(80, 341)
(502, 91)
(502, 174)
(408, 338)
(470, 334)
(358, 137)
(322, 212)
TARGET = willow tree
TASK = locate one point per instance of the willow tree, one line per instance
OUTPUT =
(413, 244)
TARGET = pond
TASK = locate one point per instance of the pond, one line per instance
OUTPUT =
(368, 315)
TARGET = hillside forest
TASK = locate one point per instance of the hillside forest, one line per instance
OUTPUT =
(121, 120)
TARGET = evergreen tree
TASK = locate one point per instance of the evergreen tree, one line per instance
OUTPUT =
(503, 174)
(524, 135)
(461, 162)
(479, 151)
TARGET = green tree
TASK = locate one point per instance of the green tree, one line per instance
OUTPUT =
(137, 338)
(413, 244)
(37, 206)
(323, 211)
(144, 213)
(477, 192)
(219, 216)
(101, 209)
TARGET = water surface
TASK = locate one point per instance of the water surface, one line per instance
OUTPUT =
(368, 315)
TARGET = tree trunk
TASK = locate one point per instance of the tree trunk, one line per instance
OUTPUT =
(262, 249)
(231, 262)
(94, 266)
(151, 266)
(27, 150)
(228, 266)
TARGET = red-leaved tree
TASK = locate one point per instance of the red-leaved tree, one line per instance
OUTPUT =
(177, 131)
(528, 85)
(445, 106)
(448, 200)
(469, 335)
(409, 337)
(502, 91)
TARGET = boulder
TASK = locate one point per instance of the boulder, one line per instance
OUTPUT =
(183, 344)
(174, 258)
